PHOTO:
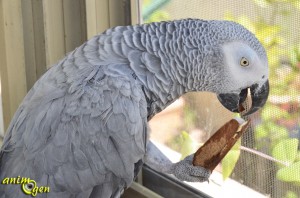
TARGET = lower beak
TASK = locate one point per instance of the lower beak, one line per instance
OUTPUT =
(259, 96)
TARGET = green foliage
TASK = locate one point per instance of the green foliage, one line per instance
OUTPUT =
(187, 144)
(290, 194)
(184, 144)
(266, 3)
(229, 161)
(272, 112)
(286, 150)
(295, 58)
(190, 117)
(298, 156)
(290, 173)
(152, 11)
(158, 16)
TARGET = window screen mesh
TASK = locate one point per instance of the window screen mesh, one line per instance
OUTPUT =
(269, 157)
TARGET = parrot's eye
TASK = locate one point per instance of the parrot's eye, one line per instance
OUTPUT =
(244, 62)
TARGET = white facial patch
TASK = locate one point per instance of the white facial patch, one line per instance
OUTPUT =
(243, 74)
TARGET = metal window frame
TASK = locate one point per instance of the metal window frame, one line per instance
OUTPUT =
(168, 186)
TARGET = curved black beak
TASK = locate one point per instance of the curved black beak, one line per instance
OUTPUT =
(259, 96)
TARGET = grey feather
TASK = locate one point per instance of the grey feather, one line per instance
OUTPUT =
(82, 128)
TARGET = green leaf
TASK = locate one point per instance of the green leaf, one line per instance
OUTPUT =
(285, 12)
(187, 144)
(261, 132)
(158, 16)
(286, 150)
(228, 163)
(290, 194)
(261, 3)
(146, 3)
(276, 132)
(297, 4)
(298, 156)
(271, 112)
(246, 21)
(289, 173)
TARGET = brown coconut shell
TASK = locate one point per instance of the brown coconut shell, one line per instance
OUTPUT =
(218, 145)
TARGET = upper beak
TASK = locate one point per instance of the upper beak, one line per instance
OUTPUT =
(259, 96)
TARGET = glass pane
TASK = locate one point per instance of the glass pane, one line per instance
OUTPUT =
(268, 160)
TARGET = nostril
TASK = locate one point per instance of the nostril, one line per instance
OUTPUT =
(263, 76)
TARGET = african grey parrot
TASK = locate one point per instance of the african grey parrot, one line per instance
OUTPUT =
(82, 129)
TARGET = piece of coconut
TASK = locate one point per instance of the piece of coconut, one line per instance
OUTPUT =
(218, 145)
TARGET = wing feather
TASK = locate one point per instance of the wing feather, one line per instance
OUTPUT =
(76, 137)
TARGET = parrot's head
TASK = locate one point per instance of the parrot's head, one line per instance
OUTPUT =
(242, 64)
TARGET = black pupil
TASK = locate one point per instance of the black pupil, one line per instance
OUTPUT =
(245, 62)
(29, 186)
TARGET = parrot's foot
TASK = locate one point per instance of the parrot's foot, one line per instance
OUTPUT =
(185, 171)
